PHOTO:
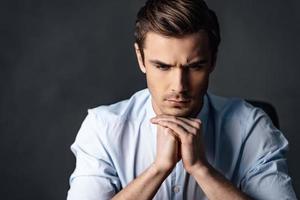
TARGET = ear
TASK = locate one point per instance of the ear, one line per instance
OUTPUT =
(139, 58)
(213, 64)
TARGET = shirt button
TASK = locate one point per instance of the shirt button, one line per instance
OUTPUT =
(176, 189)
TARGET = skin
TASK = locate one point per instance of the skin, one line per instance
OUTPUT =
(176, 69)
(177, 72)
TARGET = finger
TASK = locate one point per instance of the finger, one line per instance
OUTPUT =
(171, 132)
(196, 119)
(178, 130)
(195, 122)
(185, 123)
(167, 130)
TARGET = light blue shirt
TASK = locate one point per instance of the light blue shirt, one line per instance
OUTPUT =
(116, 143)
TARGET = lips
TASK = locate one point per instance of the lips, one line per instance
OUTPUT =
(179, 101)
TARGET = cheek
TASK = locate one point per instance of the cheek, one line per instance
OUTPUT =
(156, 80)
(155, 84)
(199, 82)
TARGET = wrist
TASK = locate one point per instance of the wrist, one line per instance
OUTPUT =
(162, 169)
(202, 170)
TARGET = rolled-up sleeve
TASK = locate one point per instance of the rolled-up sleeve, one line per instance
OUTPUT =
(264, 168)
(94, 177)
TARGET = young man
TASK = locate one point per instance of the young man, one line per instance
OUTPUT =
(174, 140)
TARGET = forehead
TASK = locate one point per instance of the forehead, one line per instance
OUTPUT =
(186, 47)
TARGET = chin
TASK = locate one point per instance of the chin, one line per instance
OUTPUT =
(177, 112)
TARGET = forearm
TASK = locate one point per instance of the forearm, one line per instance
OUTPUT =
(216, 186)
(144, 186)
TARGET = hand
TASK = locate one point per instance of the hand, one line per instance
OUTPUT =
(188, 132)
(167, 150)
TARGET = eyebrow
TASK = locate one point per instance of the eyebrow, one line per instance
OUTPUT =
(157, 62)
(160, 63)
(198, 62)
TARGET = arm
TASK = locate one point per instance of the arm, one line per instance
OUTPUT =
(215, 185)
(146, 185)
(95, 177)
(264, 172)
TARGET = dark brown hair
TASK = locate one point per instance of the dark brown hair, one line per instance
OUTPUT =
(176, 18)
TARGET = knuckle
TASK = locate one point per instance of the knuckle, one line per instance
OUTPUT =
(197, 120)
(173, 118)
(198, 125)
(194, 131)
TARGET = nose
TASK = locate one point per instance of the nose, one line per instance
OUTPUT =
(180, 80)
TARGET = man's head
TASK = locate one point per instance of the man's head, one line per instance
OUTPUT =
(176, 44)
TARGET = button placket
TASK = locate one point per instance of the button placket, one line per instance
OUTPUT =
(176, 189)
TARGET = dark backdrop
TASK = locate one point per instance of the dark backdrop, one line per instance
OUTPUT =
(59, 58)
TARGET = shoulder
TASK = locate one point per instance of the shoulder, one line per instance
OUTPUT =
(236, 113)
(104, 125)
(230, 107)
(122, 110)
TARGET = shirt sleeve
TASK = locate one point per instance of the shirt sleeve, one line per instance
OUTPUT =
(265, 174)
(94, 177)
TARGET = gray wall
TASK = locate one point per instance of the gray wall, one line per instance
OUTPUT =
(58, 58)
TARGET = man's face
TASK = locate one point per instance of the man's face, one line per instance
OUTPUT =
(177, 72)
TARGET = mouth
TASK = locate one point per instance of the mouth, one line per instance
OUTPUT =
(178, 102)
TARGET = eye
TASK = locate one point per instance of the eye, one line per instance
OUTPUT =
(197, 66)
(163, 67)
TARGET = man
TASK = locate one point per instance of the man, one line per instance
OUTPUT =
(175, 140)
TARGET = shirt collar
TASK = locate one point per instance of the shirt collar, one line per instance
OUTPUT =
(203, 114)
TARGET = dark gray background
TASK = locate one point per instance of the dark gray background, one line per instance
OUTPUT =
(58, 58)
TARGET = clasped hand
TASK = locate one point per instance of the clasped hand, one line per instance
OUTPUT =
(179, 138)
